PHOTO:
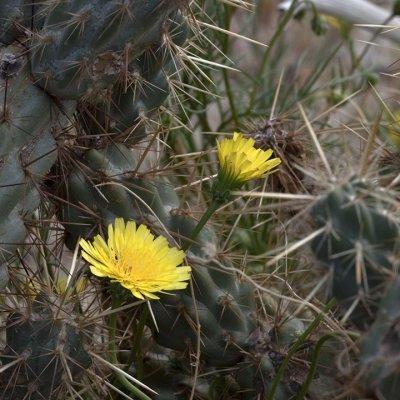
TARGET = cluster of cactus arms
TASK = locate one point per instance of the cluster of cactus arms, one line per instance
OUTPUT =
(93, 71)
(105, 62)
(79, 81)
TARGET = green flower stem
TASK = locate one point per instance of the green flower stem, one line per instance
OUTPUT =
(215, 203)
(133, 356)
(293, 349)
(112, 348)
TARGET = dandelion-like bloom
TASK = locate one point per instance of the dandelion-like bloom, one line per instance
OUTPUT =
(240, 161)
(138, 261)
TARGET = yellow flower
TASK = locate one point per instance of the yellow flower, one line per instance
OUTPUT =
(138, 261)
(240, 161)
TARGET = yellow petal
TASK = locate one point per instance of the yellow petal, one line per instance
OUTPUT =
(137, 260)
(240, 161)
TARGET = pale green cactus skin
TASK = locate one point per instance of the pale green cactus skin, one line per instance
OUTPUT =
(113, 57)
(362, 239)
(29, 121)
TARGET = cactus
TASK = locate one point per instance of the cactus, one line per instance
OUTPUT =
(114, 57)
(123, 111)
(378, 359)
(114, 62)
(18, 18)
(84, 47)
(49, 347)
(359, 243)
(11, 16)
(120, 192)
(30, 120)
(12, 19)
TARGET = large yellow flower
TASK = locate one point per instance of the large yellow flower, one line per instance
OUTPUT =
(138, 261)
(240, 161)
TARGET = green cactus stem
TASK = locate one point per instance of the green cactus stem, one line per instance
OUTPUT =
(379, 348)
(50, 348)
(29, 122)
(85, 47)
(359, 243)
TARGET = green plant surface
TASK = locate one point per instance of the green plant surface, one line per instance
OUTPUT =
(151, 87)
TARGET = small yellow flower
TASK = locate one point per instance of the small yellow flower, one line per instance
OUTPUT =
(138, 261)
(240, 161)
